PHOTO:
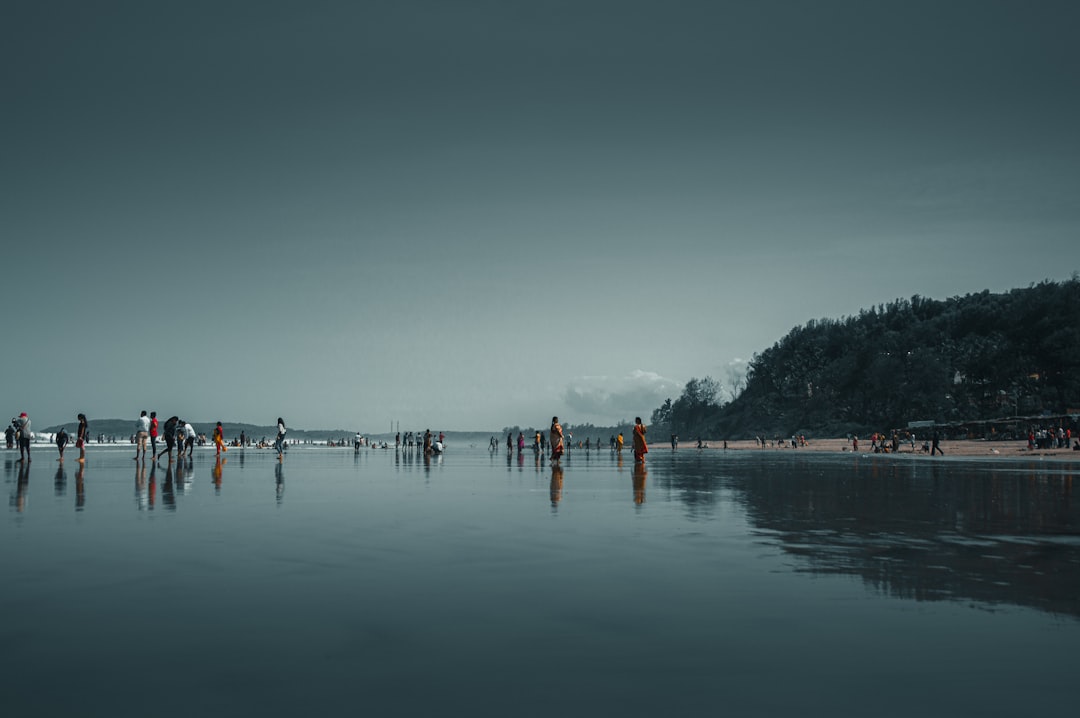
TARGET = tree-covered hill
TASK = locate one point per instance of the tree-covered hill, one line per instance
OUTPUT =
(980, 356)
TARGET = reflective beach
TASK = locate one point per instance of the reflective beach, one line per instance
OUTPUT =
(741, 583)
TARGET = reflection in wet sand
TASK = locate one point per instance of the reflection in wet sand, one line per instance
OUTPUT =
(60, 481)
(639, 474)
(22, 485)
(168, 490)
(216, 473)
(916, 530)
(140, 486)
(556, 484)
(80, 488)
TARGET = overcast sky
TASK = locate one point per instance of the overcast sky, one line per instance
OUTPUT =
(467, 215)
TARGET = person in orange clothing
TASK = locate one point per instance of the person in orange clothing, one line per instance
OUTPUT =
(556, 439)
(640, 447)
(219, 440)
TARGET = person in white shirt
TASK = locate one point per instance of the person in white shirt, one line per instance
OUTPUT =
(189, 440)
(142, 434)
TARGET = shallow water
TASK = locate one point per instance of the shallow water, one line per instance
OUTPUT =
(747, 583)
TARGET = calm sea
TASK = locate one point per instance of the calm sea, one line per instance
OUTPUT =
(745, 584)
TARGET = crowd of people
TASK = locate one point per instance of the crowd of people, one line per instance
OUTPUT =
(175, 433)
(560, 442)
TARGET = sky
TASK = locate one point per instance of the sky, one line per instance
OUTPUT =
(465, 215)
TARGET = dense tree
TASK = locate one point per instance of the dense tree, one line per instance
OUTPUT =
(974, 357)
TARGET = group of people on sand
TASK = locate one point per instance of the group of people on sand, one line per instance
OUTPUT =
(21, 433)
(428, 444)
(176, 433)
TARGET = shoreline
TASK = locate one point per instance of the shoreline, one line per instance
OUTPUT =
(955, 447)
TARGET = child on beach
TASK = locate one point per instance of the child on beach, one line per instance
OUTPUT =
(219, 440)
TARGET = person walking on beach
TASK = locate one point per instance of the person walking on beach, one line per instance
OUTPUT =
(153, 434)
(170, 436)
(22, 435)
(219, 440)
(142, 435)
(82, 435)
(9, 434)
(279, 442)
(556, 439)
(619, 443)
(640, 447)
(934, 444)
(62, 439)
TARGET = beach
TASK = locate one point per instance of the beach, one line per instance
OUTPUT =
(961, 447)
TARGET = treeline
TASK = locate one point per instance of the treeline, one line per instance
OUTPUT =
(976, 357)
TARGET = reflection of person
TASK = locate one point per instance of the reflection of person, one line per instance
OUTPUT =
(80, 486)
(21, 486)
(216, 473)
(62, 439)
(556, 439)
(639, 476)
(640, 447)
(279, 442)
(556, 484)
(82, 435)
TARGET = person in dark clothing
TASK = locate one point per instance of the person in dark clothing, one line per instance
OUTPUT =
(62, 439)
(169, 436)
(934, 444)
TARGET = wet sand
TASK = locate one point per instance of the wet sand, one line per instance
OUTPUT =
(1004, 449)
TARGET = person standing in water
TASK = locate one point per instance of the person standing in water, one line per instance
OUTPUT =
(82, 435)
(219, 440)
(556, 439)
(279, 442)
(23, 435)
(640, 447)
(142, 435)
(153, 435)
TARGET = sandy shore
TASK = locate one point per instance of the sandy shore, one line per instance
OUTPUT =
(1004, 449)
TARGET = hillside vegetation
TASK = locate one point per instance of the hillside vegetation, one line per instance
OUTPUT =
(977, 357)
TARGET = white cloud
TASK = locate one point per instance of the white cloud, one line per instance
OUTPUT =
(607, 399)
